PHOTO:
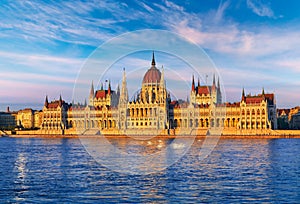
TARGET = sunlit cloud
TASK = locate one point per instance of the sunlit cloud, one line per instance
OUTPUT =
(49, 41)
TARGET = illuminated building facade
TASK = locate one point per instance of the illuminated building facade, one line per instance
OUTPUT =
(151, 111)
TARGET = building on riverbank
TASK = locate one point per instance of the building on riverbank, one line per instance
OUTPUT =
(152, 110)
(8, 120)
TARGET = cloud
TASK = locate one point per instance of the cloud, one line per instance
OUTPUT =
(220, 11)
(70, 22)
(173, 6)
(41, 63)
(145, 6)
(265, 49)
(14, 91)
(260, 8)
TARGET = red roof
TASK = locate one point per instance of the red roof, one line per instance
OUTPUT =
(253, 99)
(203, 90)
(259, 98)
(53, 104)
(100, 94)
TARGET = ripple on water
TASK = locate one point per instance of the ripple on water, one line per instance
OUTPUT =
(60, 170)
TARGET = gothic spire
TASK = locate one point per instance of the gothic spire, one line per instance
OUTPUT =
(118, 90)
(60, 100)
(263, 91)
(124, 91)
(153, 59)
(198, 82)
(109, 87)
(193, 84)
(92, 90)
(46, 101)
(243, 95)
(214, 83)
(218, 83)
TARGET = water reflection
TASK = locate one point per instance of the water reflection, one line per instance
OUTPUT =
(132, 156)
(20, 169)
(237, 171)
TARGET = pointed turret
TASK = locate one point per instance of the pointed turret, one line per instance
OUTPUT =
(193, 84)
(124, 92)
(198, 82)
(162, 92)
(263, 93)
(118, 90)
(60, 100)
(91, 96)
(218, 83)
(109, 88)
(153, 59)
(214, 83)
(243, 95)
(92, 90)
(46, 102)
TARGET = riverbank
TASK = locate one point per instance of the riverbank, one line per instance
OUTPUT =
(183, 133)
(158, 137)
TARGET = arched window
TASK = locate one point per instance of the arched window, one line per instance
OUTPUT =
(243, 112)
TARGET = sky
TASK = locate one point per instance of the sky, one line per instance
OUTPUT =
(253, 44)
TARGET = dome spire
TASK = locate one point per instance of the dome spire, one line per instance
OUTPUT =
(153, 59)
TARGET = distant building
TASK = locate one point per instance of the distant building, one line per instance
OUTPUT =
(8, 120)
(294, 118)
(28, 119)
(38, 117)
(25, 118)
(283, 119)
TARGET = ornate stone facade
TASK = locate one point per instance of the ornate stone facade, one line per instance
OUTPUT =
(151, 110)
(54, 117)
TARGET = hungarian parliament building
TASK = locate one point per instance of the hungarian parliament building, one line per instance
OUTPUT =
(152, 110)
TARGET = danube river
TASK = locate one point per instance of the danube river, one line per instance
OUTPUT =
(238, 170)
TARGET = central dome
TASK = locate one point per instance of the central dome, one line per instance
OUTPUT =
(153, 74)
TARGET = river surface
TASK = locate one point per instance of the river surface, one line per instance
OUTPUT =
(236, 171)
